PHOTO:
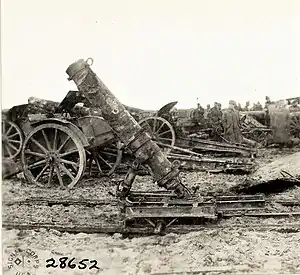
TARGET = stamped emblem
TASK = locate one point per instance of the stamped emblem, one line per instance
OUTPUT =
(113, 105)
(23, 262)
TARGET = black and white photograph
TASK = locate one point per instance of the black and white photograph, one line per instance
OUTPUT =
(150, 137)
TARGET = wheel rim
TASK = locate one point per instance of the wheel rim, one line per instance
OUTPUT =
(53, 154)
(106, 159)
(160, 131)
(12, 140)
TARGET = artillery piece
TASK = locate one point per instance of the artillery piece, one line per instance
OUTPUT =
(261, 129)
(55, 147)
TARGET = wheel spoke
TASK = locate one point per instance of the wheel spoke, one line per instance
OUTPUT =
(41, 173)
(36, 164)
(9, 129)
(161, 138)
(149, 127)
(35, 154)
(39, 145)
(66, 171)
(63, 144)
(163, 133)
(14, 141)
(105, 161)
(98, 166)
(46, 139)
(68, 153)
(4, 127)
(108, 153)
(12, 146)
(50, 175)
(69, 162)
(154, 125)
(8, 151)
(13, 135)
(55, 140)
(161, 126)
(74, 170)
(59, 176)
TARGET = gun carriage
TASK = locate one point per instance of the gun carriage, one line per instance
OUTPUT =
(55, 145)
(255, 124)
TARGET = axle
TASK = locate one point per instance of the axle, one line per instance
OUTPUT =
(127, 129)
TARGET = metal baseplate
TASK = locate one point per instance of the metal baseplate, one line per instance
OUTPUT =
(161, 210)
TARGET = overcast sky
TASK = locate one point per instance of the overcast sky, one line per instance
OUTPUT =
(151, 52)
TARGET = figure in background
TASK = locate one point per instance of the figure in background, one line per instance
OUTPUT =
(198, 114)
(239, 107)
(207, 111)
(174, 114)
(247, 105)
(294, 107)
(266, 108)
(215, 120)
(268, 102)
(253, 107)
(259, 107)
(231, 124)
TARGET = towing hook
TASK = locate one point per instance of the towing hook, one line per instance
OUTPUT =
(90, 61)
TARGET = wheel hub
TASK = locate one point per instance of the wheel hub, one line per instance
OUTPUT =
(52, 157)
(4, 139)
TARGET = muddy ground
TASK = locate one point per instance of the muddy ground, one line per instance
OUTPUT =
(247, 248)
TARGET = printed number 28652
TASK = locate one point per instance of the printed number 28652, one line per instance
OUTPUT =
(65, 262)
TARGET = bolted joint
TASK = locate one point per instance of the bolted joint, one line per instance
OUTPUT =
(138, 141)
(167, 180)
(171, 181)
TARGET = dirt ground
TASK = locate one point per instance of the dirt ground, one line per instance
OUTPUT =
(252, 250)
(273, 252)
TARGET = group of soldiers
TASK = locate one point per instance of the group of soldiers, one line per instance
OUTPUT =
(259, 107)
(255, 107)
(220, 121)
(226, 123)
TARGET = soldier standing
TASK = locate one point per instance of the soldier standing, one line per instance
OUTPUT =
(247, 106)
(215, 118)
(231, 124)
(258, 106)
(294, 107)
(239, 107)
(198, 114)
(267, 104)
(206, 113)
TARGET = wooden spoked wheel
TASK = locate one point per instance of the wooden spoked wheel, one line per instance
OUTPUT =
(53, 155)
(295, 126)
(160, 130)
(12, 140)
(259, 135)
(106, 159)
